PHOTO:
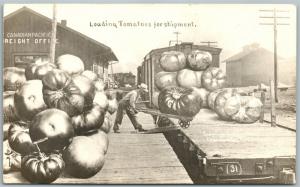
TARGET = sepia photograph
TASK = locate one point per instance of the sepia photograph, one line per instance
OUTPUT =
(149, 93)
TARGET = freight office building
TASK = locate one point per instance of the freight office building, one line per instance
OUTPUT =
(27, 35)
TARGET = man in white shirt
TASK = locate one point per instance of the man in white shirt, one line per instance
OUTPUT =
(127, 103)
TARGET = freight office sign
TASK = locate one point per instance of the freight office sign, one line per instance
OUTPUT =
(24, 38)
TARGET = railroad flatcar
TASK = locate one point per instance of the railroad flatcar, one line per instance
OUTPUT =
(214, 151)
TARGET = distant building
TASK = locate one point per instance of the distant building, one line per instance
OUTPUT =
(27, 35)
(255, 65)
(125, 78)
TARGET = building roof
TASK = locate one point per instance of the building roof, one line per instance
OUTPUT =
(245, 53)
(102, 46)
(238, 56)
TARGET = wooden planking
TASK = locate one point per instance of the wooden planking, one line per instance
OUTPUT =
(247, 149)
(14, 178)
(149, 175)
(239, 131)
(233, 140)
(141, 158)
(143, 162)
(137, 139)
(137, 151)
(132, 158)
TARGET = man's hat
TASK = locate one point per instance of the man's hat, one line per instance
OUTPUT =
(144, 87)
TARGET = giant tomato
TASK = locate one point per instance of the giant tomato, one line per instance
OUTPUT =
(60, 92)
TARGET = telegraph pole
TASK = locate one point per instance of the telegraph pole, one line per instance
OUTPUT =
(111, 69)
(275, 18)
(53, 36)
(177, 41)
(177, 33)
(112, 72)
(209, 43)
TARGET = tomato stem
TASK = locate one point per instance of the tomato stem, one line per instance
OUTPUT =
(176, 95)
(37, 146)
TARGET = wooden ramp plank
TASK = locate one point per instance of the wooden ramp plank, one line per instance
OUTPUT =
(132, 158)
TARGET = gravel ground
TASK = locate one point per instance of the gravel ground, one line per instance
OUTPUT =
(286, 106)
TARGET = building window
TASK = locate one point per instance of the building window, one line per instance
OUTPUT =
(23, 60)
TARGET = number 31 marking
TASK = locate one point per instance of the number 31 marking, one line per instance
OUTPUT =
(234, 168)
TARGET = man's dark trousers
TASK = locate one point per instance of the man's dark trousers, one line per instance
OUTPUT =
(131, 113)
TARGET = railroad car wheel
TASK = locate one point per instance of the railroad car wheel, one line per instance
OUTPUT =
(184, 124)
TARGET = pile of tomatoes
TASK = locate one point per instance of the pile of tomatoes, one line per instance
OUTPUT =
(185, 82)
(57, 117)
(234, 104)
(188, 83)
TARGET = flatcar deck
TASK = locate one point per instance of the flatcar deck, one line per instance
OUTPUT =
(224, 139)
(132, 158)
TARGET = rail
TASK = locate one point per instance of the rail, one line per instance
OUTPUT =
(281, 126)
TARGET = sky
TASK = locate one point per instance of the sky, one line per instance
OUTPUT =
(231, 25)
